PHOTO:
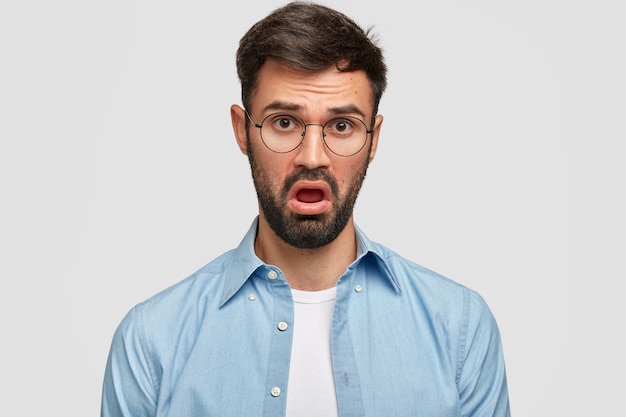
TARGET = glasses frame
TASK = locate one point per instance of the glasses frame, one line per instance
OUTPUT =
(323, 126)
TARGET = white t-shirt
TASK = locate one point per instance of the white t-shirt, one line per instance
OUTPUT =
(311, 390)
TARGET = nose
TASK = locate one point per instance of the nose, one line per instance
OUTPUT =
(312, 152)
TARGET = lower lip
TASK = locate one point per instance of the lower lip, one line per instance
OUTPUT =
(301, 207)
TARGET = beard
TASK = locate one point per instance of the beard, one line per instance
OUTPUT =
(298, 230)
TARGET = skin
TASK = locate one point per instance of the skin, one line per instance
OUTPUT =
(315, 98)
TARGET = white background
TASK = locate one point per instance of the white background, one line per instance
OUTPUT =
(500, 165)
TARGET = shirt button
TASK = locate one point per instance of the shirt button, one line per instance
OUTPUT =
(272, 274)
(252, 297)
(282, 326)
(358, 288)
(275, 392)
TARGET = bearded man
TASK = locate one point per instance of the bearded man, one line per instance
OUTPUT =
(307, 316)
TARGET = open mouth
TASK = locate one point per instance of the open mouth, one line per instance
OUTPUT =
(310, 197)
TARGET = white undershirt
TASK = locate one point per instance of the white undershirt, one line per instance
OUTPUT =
(311, 390)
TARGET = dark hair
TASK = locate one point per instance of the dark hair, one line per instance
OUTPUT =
(311, 38)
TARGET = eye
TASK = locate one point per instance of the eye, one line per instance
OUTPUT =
(285, 123)
(340, 127)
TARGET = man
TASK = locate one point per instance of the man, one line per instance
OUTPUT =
(307, 317)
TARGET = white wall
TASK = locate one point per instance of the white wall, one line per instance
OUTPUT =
(500, 165)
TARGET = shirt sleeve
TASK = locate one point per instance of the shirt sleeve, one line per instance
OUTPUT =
(129, 390)
(481, 376)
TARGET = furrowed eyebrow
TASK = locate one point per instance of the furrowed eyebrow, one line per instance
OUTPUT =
(292, 107)
(348, 109)
(282, 106)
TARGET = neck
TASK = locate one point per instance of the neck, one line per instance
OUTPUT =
(307, 269)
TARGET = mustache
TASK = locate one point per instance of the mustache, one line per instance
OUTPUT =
(310, 175)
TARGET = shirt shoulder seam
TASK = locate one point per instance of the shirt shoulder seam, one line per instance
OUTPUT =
(463, 334)
(145, 350)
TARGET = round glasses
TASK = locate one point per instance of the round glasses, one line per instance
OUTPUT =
(284, 132)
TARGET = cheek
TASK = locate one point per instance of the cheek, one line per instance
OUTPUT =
(270, 171)
(354, 170)
(346, 178)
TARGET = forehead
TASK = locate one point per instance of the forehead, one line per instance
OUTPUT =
(279, 88)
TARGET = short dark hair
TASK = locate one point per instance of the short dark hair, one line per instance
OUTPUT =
(311, 38)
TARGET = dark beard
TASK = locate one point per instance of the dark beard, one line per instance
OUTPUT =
(305, 231)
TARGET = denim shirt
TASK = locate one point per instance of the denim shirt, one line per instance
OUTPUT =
(404, 342)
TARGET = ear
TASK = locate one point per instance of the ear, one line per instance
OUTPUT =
(238, 119)
(378, 123)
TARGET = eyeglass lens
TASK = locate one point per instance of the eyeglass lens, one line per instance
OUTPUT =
(283, 132)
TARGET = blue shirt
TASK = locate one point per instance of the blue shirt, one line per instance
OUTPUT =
(405, 341)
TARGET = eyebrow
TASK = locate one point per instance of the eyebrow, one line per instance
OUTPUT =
(286, 106)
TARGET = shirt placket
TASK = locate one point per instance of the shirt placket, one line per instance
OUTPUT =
(347, 383)
(280, 345)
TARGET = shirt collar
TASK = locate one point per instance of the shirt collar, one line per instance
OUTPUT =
(367, 249)
(243, 262)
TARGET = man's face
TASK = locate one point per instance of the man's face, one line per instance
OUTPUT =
(307, 196)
